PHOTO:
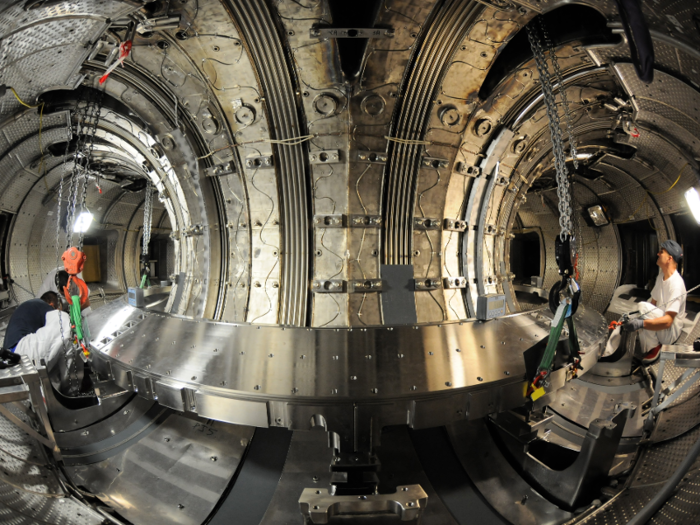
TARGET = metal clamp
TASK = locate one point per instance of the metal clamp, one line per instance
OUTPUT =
(195, 229)
(351, 32)
(329, 221)
(365, 285)
(454, 225)
(373, 157)
(220, 169)
(468, 169)
(433, 162)
(259, 162)
(329, 286)
(450, 283)
(318, 506)
(423, 223)
(328, 156)
(364, 221)
(427, 285)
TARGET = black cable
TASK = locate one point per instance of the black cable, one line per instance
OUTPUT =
(665, 493)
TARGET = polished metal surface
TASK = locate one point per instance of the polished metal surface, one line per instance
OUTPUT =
(277, 376)
(186, 464)
(285, 158)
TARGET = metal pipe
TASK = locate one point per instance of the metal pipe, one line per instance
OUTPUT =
(665, 493)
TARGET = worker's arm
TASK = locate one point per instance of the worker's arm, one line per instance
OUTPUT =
(46, 343)
(660, 323)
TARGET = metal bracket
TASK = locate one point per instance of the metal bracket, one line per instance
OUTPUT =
(220, 169)
(454, 225)
(364, 221)
(327, 156)
(160, 23)
(365, 285)
(427, 285)
(502, 180)
(329, 286)
(491, 229)
(259, 162)
(433, 162)
(423, 223)
(351, 32)
(468, 170)
(373, 157)
(454, 282)
(329, 221)
(318, 506)
(195, 229)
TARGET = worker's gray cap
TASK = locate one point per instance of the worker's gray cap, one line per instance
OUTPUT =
(674, 250)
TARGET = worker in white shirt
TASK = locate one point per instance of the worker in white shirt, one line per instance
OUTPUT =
(661, 320)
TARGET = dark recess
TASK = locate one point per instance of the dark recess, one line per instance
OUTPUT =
(525, 256)
(639, 246)
(569, 23)
(357, 14)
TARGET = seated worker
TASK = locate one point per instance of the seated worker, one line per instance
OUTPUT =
(661, 320)
(38, 329)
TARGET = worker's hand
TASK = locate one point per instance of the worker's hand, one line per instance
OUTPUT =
(633, 325)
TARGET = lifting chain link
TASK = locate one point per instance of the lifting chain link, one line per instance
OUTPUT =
(87, 115)
(562, 92)
(147, 219)
(563, 192)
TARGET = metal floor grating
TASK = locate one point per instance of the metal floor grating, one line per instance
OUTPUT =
(655, 466)
(29, 491)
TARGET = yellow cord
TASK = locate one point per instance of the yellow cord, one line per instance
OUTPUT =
(672, 185)
(20, 100)
(41, 123)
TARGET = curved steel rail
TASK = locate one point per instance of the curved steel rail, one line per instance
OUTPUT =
(423, 375)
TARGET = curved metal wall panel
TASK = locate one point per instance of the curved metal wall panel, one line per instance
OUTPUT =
(260, 35)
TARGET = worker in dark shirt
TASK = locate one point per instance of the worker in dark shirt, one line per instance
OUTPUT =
(29, 317)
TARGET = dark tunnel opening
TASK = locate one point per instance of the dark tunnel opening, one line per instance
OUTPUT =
(569, 23)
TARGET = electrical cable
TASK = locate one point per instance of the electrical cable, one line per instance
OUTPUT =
(661, 497)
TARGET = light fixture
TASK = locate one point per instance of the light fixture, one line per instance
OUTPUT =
(693, 200)
(82, 223)
(597, 215)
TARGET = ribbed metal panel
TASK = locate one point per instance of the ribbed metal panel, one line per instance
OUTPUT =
(257, 28)
(447, 30)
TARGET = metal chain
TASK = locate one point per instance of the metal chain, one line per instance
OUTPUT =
(88, 119)
(562, 91)
(147, 219)
(555, 129)
(69, 230)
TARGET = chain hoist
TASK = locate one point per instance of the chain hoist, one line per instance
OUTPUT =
(147, 222)
(565, 212)
(564, 295)
(562, 92)
(75, 290)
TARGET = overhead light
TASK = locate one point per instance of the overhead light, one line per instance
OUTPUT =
(693, 200)
(82, 223)
(597, 215)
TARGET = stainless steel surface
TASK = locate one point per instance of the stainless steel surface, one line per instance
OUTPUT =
(412, 134)
(185, 464)
(319, 507)
(273, 376)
